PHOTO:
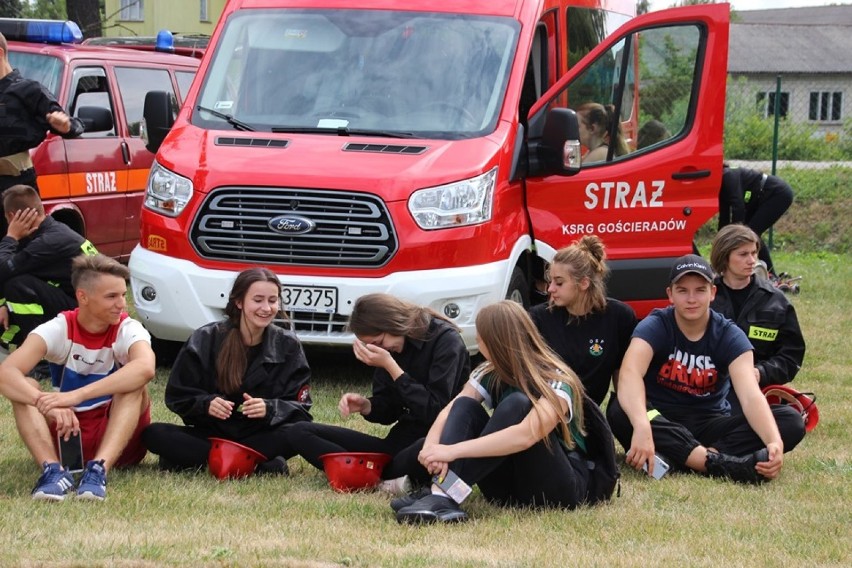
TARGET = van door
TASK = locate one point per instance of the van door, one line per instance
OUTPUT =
(644, 200)
(134, 82)
(97, 166)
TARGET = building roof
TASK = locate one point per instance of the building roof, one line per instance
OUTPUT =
(788, 48)
(815, 15)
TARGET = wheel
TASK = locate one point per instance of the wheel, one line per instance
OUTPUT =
(519, 289)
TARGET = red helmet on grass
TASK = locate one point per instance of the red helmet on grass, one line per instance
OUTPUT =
(230, 459)
(803, 402)
(351, 471)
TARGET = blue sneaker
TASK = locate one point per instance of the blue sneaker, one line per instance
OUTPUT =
(93, 483)
(53, 484)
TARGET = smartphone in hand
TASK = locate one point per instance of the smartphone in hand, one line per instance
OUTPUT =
(453, 485)
(71, 452)
(661, 468)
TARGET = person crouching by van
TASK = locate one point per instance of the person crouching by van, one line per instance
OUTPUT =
(584, 327)
(35, 264)
(243, 379)
(527, 453)
(29, 111)
(674, 383)
(758, 308)
(101, 361)
(420, 363)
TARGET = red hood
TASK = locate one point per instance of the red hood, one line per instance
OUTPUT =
(320, 161)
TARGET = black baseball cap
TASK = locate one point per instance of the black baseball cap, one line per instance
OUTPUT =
(690, 264)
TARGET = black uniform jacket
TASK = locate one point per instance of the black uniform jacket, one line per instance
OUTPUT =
(435, 370)
(46, 254)
(769, 320)
(24, 105)
(279, 374)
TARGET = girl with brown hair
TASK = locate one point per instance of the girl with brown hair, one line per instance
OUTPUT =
(420, 363)
(529, 451)
(242, 379)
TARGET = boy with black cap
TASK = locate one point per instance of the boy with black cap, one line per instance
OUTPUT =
(673, 386)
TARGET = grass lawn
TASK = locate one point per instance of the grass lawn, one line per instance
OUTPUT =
(151, 518)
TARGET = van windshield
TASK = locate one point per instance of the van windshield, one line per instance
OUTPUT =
(429, 75)
(45, 69)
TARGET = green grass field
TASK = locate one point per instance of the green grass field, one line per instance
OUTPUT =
(152, 518)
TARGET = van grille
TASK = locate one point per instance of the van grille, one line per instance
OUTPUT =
(315, 325)
(347, 229)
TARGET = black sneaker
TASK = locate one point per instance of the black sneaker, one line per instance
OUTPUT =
(275, 466)
(430, 509)
(739, 469)
(398, 503)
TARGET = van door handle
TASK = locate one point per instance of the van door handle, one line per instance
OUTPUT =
(125, 152)
(698, 174)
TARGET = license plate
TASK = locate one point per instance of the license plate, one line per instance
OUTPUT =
(308, 299)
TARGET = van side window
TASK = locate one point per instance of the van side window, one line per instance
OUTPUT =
(537, 78)
(90, 88)
(133, 84)
(184, 80)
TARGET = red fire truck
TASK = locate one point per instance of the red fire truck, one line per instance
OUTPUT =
(428, 150)
(95, 183)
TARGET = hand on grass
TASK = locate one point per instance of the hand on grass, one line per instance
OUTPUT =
(641, 449)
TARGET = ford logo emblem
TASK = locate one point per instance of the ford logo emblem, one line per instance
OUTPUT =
(291, 224)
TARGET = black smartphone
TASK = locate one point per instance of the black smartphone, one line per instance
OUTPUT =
(71, 453)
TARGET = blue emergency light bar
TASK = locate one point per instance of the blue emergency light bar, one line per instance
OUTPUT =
(40, 31)
(165, 41)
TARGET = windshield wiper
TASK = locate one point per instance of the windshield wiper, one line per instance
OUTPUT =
(341, 131)
(237, 124)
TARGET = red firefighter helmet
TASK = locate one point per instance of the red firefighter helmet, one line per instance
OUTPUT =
(351, 471)
(230, 459)
(804, 403)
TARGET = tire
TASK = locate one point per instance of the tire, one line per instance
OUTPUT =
(519, 288)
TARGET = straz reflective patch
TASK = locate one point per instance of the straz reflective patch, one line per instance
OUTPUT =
(762, 333)
(157, 243)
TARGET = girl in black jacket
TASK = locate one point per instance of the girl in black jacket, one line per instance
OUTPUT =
(242, 379)
(420, 362)
(756, 306)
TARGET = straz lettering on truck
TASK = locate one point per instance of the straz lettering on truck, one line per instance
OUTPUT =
(619, 195)
(100, 182)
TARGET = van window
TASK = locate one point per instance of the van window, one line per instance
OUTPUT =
(645, 78)
(587, 27)
(89, 87)
(184, 80)
(389, 72)
(133, 84)
(45, 69)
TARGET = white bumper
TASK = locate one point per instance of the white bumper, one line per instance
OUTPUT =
(188, 296)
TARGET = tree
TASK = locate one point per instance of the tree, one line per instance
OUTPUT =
(87, 15)
(45, 10)
(643, 7)
(10, 9)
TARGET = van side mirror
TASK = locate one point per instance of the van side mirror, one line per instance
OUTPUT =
(95, 119)
(158, 116)
(560, 142)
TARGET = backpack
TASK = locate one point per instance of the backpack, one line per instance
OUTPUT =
(600, 453)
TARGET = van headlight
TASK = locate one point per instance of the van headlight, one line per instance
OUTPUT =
(167, 192)
(457, 204)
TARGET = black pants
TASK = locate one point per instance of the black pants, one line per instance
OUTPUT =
(32, 301)
(539, 476)
(187, 447)
(769, 206)
(676, 435)
(311, 440)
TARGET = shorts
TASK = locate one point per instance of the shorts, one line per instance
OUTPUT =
(93, 424)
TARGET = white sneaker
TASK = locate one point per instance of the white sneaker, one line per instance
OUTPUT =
(398, 486)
